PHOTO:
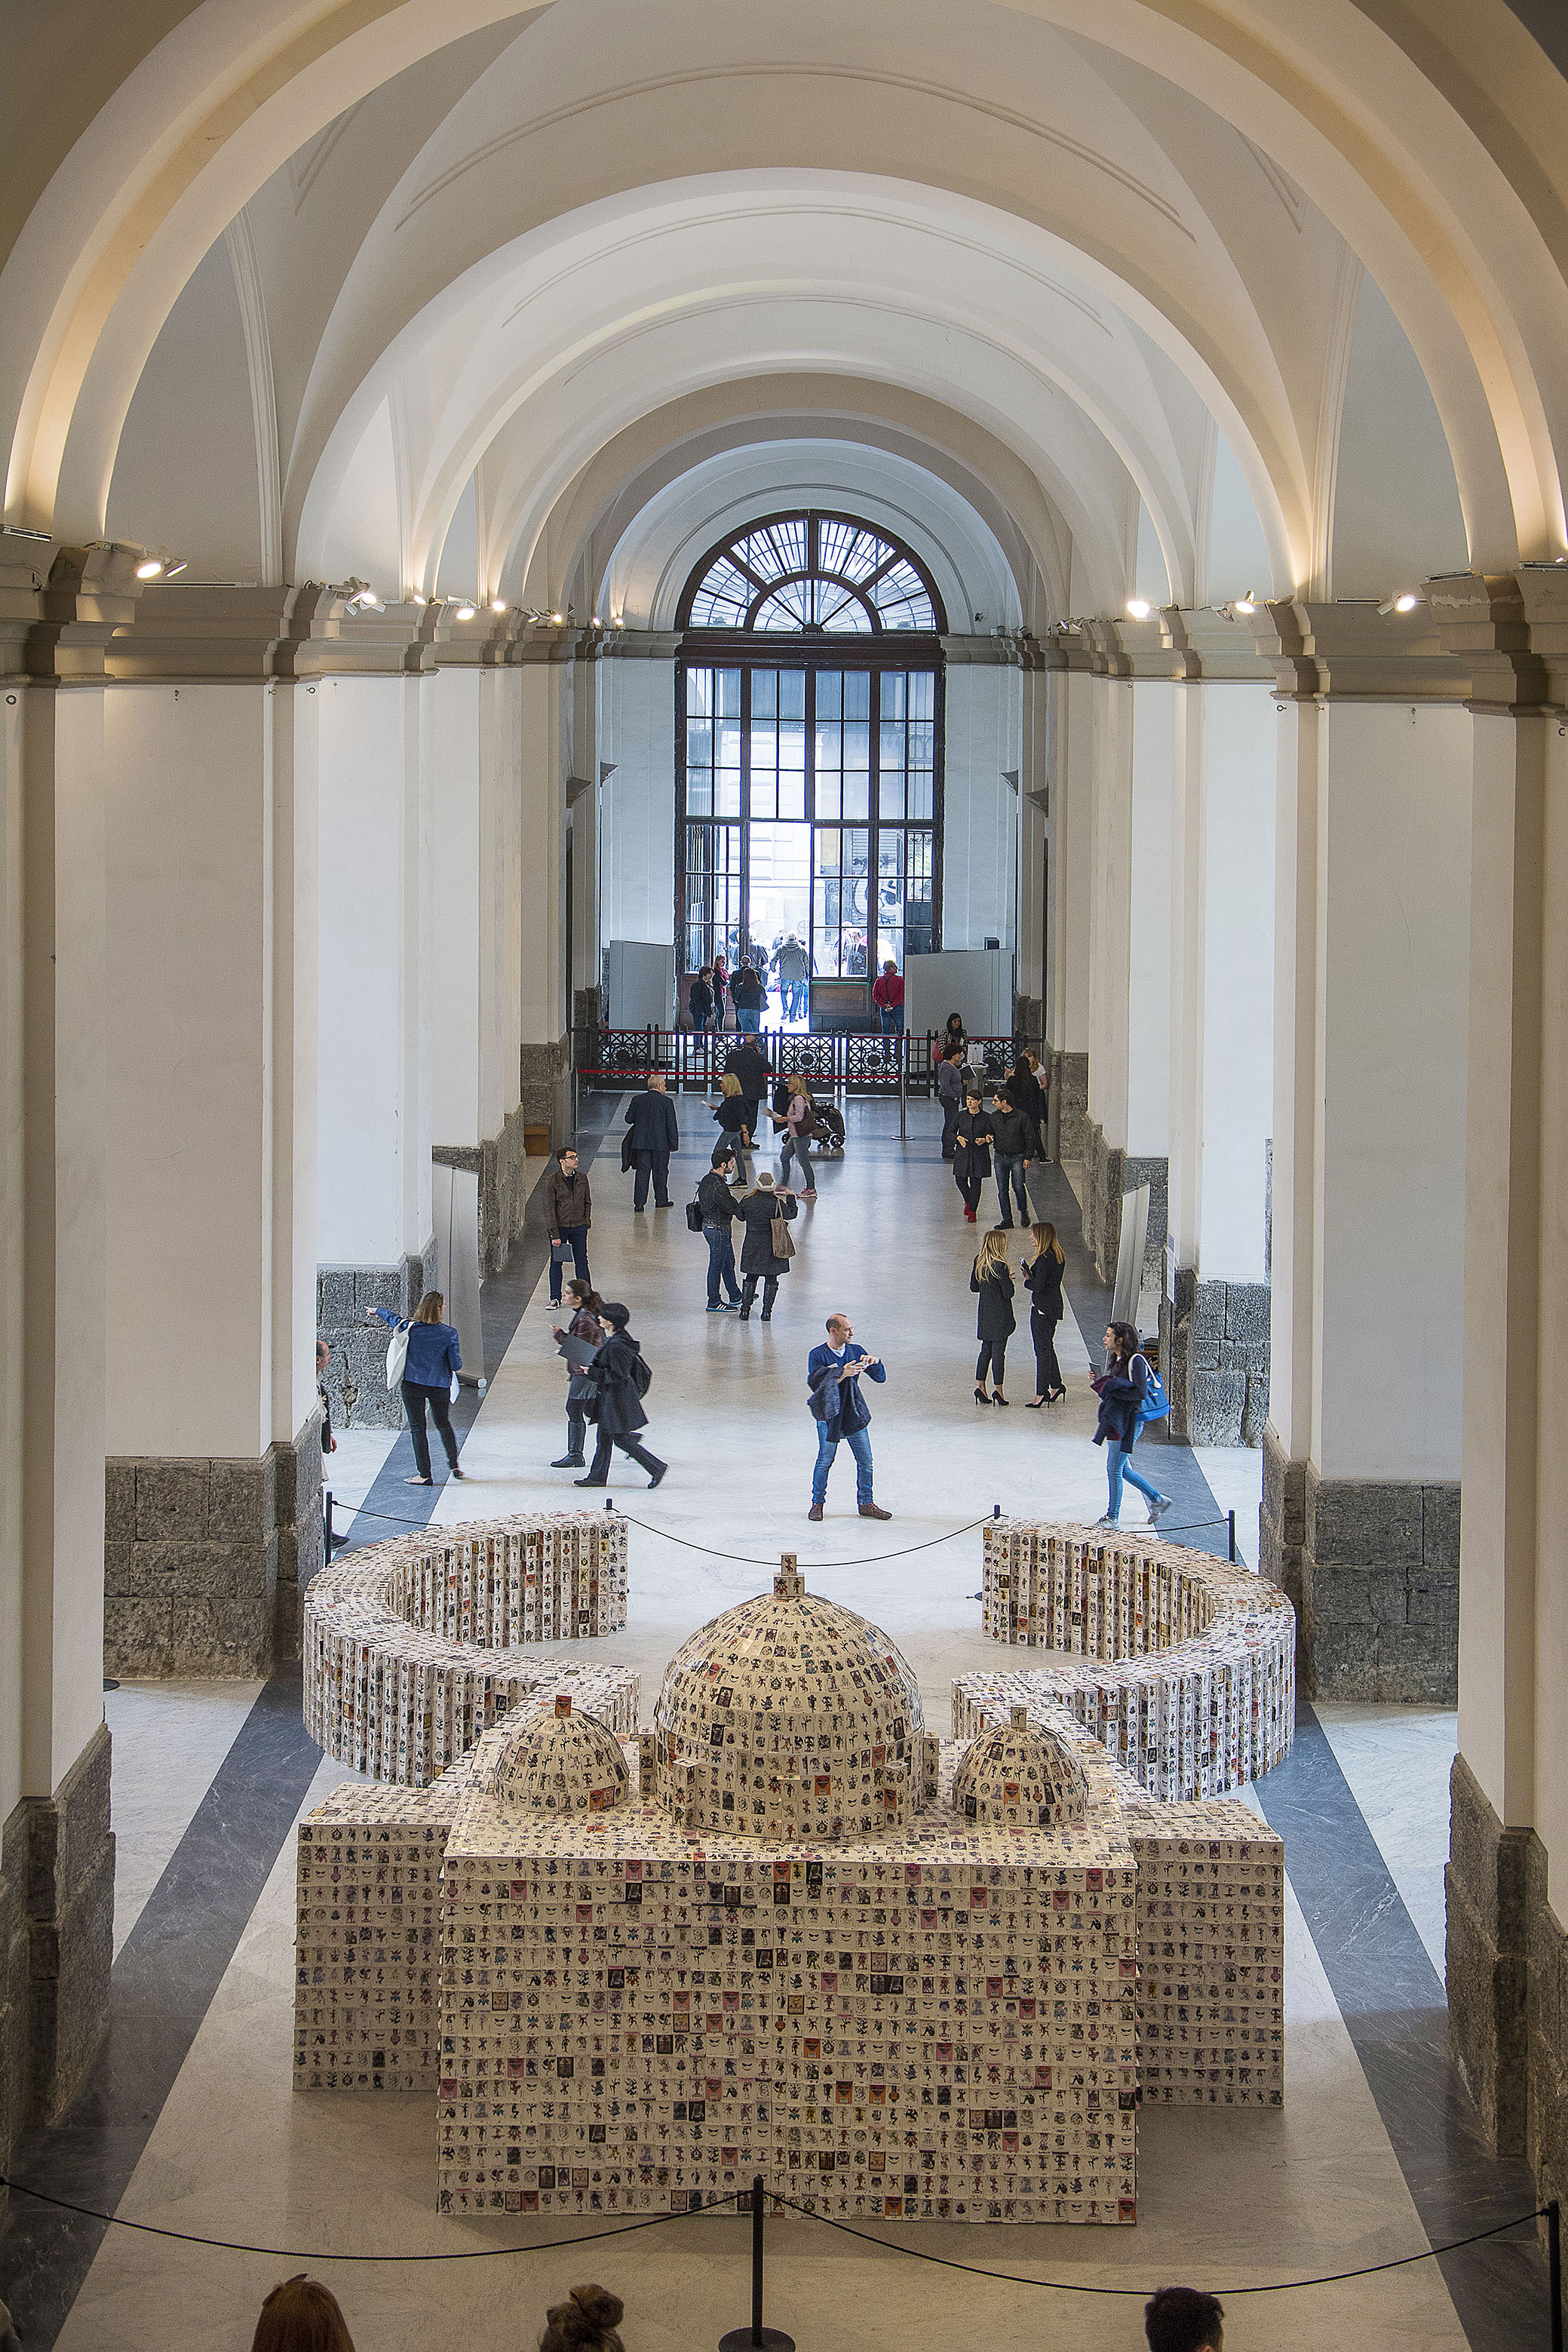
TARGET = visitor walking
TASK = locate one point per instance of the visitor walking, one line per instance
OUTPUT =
(655, 1133)
(887, 995)
(569, 1212)
(748, 994)
(720, 990)
(1123, 1388)
(950, 1095)
(431, 1364)
(798, 1122)
(971, 1152)
(581, 1388)
(1014, 1141)
(733, 1113)
(991, 1277)
(792, 970)
(765, 1215)
(1042, 1280)
(699, 1000)
(720, 1206)
(1025, 1092)
(621, 1379)
(746, 1061)
(840, 1413)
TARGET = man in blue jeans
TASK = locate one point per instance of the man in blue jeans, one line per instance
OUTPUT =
(833, 1377)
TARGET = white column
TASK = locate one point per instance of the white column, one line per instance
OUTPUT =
(544, 680)
(1071, 695)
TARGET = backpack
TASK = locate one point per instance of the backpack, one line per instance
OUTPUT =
(639, 1374)
(1155, 1406)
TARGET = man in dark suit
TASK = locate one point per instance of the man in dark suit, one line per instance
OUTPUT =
(833, 1378)
(654, 1135)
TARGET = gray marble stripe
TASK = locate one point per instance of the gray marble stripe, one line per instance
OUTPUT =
(1395, 2010)
(169, 1967)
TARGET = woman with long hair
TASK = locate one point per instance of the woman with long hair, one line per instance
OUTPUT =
(1122, 1388)
(1042, 1280)
(430, 1367)
(733, 1113)
(301, 2315)
(580, 1387)
(991, 1277)
(798, 1122)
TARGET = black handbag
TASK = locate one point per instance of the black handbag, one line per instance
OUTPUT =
(693, 1216)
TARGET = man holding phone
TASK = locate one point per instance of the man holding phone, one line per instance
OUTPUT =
(833, 1378)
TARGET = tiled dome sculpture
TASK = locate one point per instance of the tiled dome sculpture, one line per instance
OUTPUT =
(790, 1719)
(561, 1761)
(1022, 1776)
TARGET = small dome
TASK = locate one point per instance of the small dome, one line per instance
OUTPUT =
(561, 1761)
(790, 1719)
(1017, 1775)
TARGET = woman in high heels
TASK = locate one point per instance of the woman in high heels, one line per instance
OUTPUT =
(992, 1278)
(1042, 1280)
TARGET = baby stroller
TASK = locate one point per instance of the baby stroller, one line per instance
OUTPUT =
(830, 1135)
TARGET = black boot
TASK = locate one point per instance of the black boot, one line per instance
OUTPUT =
(568, 1461)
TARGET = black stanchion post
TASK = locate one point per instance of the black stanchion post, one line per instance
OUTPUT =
(995, 1510)
(327, 1554)
(1230, 1520)
(1555, 2270)
(757, 2338)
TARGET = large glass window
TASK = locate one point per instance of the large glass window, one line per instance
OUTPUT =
(808, 792)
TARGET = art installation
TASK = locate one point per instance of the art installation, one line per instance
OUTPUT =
(788, 1932)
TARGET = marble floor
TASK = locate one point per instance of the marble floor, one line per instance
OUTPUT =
(193, 2126)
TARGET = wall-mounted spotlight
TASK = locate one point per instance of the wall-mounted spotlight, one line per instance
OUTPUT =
(465, 612)
(1404, 600)
(619, 621)
(1248, 603)
(161, 566)
(557, 618)
(417, 599)
(498, 603)
(1138, 608)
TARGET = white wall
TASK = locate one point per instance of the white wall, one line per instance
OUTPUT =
(980, 814)
(1393, 864)
(374, 1099)
(457, 987)
(637, 731)
(1238, 981)
(1149, 922)
(1238, 552)
(365, 538)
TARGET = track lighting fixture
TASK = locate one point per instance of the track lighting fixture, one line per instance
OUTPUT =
(557, 618)
(498, 603)
(1404, 600)
(161, 566)
(465, 612)
(1248, 603)
(618, 621)
(1138, 608)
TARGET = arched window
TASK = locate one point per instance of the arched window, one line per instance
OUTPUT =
(809, 786)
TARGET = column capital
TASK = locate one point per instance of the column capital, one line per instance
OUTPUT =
(1349, 651)
(642, 645)
(202, 634)
(60, 607)
(1491, 620)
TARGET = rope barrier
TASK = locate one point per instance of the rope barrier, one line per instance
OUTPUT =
(743, 1560)
(628, 2229)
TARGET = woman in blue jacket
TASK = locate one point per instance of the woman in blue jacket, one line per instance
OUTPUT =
(1122, 1388)
(431, 1365)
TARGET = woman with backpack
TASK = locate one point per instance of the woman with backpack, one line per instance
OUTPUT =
(799, 1121)
(621, 1379)
(1125, 1388)
(991, 1279)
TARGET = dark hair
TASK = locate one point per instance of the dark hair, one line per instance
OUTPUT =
(585, 2322)
(1000, 1094)
(1128, 1343)
(723, 1153)
(610, 1311)
(301, 2315)
(956, 1021)
(1183, 2319)
(585, 1294)
(561, 1149)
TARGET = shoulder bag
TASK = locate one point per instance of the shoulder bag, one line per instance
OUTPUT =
(693, 1216)
(782, 1244)
(397, 1356)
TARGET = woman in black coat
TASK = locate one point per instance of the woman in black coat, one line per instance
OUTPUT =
(618, 1404)
(1042, 1280)
(971, 1152)
(991, 1277)
(758, 1262)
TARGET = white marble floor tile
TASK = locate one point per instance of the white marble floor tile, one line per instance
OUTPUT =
(1235, 1475)
(353, 1470)
(168, 1739)
(1396, 1760)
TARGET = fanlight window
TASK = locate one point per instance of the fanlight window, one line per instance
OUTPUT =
(812, 571)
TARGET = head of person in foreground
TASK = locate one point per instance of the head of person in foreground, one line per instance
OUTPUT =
(585, 2322)
(1183, 2320)
(301, 2315)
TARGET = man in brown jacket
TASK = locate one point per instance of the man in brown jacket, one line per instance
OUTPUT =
(569, 1212)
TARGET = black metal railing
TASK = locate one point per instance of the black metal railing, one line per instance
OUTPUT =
(843, 1061)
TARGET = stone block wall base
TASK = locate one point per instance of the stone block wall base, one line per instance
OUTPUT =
(1372, 1567)
(57, 1942)
(1506, 1967)
(543, 1086)
(1110, 1174)
(356, 1379)
(1068, 1102)
(202, 1559)
(1214, 1359)
(501, 1165)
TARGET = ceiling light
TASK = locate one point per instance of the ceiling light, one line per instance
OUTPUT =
(417, 598)
(620, 622)
(150, 567)
(1404, 600)
(557, 618)
(466, 612)
(1138, 608)
(1248, 603)
(498, 603)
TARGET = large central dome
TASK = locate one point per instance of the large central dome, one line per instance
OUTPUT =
(790, 1719)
